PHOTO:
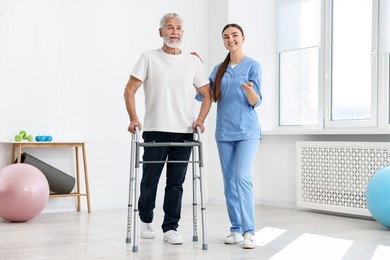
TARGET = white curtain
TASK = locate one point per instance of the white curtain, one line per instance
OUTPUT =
(298, 24)
(384, 26)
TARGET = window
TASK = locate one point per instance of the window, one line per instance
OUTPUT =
(298, 45)
(353, 77)
(384, 52)
(299, 87)
(328, 63)
(387, 83)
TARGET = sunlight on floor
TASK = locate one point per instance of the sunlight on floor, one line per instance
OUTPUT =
(309, 247)
(267, 234)
(381, 253)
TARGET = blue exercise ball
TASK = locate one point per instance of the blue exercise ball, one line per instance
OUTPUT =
(378, 196)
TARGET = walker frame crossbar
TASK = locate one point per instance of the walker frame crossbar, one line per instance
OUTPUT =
(197, 159)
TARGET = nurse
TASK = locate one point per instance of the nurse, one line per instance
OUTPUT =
(236, 88)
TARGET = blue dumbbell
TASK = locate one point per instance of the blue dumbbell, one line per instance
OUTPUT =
(43, 138)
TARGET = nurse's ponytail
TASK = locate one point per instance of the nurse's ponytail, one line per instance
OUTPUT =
(218, 78)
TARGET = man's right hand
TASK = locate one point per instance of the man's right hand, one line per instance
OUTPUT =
(132, 126)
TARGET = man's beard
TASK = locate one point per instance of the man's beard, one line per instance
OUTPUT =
(170, 44)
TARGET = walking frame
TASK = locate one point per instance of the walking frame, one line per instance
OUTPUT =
(197, 159)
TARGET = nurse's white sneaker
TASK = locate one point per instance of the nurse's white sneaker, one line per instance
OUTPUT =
(233, 238)
(249, 241)
(147, 230)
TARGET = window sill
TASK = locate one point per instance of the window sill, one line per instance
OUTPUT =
(329, 132)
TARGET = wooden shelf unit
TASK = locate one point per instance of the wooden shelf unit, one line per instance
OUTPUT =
(19, 146)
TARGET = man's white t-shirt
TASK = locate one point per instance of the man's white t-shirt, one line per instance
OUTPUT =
(170, 83)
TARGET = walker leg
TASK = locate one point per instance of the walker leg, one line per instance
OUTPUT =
(203, 212)
(136, 192)
(131, 191)
(132, 211)
(135, 233)
(203, 208)
(194, 198)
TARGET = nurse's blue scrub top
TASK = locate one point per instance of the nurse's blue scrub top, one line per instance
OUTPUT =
(236, 118)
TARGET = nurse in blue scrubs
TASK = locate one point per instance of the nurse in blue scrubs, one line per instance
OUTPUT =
(236, 88)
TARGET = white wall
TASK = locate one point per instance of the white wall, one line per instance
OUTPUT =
(63, 69)
(64, 65)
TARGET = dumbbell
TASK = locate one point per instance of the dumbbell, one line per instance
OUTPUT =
(43, 138)
(23, 136)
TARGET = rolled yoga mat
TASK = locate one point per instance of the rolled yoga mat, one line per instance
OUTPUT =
(59, 182)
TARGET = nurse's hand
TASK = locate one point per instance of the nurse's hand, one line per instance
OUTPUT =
(247, 86)
(196, 54)
(251, 95)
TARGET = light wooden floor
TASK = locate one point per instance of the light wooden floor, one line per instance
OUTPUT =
(283, 234)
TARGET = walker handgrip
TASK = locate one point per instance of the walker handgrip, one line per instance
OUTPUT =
(199, 133)
(136, 128)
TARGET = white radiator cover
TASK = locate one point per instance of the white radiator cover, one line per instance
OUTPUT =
(332, 176)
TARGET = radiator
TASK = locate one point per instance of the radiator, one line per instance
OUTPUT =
(332, 176)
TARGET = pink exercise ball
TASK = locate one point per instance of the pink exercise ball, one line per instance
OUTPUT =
(24, 192)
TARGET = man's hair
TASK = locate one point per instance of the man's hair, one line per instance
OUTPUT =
(169, 16)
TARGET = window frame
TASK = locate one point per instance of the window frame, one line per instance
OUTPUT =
(350, 123)
(385, 83)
